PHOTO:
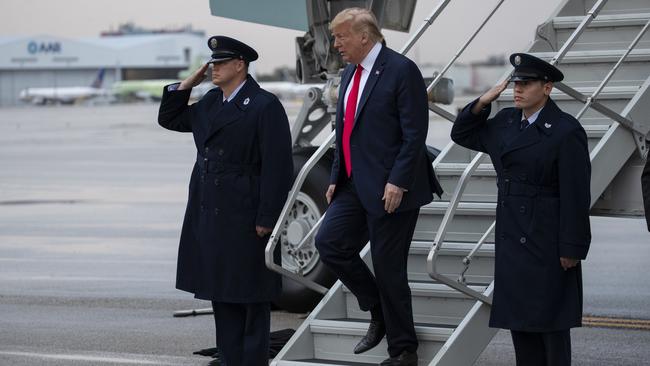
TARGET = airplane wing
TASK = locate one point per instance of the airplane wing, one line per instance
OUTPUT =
(292, 16)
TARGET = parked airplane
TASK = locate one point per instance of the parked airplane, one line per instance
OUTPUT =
(128, 90)
(153, 89)
(65, 94)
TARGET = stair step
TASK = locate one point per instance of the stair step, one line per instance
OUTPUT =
(605, 32)
(315, 361)
(449, 262)
(613, 97)
(334, 340)
(433, 303)
(471, 220)
(589, 68)
(464, 208)
(620, 6)
(602, 20)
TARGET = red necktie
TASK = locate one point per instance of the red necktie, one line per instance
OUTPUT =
(348, 121)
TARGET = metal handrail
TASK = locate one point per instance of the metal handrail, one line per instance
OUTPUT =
(469, 170)
(591, 14)
(464, 180)
(288, 205)
(310, 233)
(600, 87)
(442, 231)
(302, 176)
(606, 111)
(462, 48)
(468, 259)
(427, 22)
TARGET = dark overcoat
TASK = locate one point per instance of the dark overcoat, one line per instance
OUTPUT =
(388, 137)
(241, 178)
(645, 185)
(542, 212)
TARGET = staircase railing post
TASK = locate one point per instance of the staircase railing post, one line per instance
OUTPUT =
(591, 14)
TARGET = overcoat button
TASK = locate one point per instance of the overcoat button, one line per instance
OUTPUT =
(216, 182)
(502, 237)
(522, 240)
(207, 149)
(216, 211)
(522, 209)
(220, 151)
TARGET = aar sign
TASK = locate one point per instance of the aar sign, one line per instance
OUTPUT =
(43, 47)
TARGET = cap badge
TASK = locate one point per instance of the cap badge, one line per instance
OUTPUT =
(517, 60)
(213, 43)
(547, 125)
(246, 101)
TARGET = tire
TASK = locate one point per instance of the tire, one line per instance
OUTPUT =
(295, 297)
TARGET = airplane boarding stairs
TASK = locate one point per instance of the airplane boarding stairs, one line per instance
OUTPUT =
(451, 323)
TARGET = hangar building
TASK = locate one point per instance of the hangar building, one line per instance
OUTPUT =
(50, 62)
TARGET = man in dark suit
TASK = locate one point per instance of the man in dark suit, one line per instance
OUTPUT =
(542, 232)
(380, 178)
(239, 184)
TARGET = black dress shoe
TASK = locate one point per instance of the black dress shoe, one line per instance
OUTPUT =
(376, 332)
(405, 358)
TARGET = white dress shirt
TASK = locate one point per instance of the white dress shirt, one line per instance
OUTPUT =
(234, 93)
(532, 118)
(367, 65)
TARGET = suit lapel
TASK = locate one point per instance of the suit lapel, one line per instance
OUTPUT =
(547, 117)
(345, 81)
(346, 77)
(375, 74)
(533, 133)
(516, 139)
(212, 106)
(511, 129)
(527, 137)
(233, 110)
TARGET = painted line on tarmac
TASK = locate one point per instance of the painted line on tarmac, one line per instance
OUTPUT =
(81, 357)
(621, 323)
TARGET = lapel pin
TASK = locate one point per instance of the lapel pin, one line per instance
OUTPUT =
(547, 125)
(246, 101)
(377, 72)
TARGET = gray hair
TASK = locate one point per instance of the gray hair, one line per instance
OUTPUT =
(361, 20)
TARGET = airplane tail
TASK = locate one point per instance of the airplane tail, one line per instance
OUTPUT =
(97, 83)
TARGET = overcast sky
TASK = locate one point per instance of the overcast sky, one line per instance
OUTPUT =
(510, 30)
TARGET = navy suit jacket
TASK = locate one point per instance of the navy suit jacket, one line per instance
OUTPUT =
(388, 138)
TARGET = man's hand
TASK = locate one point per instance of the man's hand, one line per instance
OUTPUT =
(330, 193)
(490, 96)
(568, 262)
(195, 79)
(392, 197)
(263, 231)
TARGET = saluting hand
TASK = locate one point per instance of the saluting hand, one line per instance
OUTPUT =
(490, 96)
(195, 79)
(392, 197)
(568, 262)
